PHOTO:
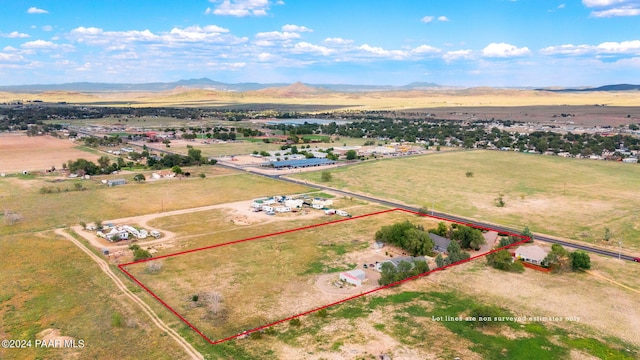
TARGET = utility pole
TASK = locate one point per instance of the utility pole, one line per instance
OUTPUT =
(619, 249)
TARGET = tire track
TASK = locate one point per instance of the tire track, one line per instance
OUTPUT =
(188, 348)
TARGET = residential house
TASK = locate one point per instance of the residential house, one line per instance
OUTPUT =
(440, 244)
(533, 254)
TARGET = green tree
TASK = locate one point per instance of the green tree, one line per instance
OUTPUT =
(580, 260)
(526, 232)
(351, 155)
(104, 162)
(502, 260)
(468, 237)
(195, 155)
(139, 178)
(177, 170)
(326, 176)
(139, 253)
(440, 262)
(558, 259)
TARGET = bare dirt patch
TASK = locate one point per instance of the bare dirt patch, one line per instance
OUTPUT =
(19, 152)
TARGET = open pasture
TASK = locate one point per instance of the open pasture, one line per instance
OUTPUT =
(19, 152)
(570, 198)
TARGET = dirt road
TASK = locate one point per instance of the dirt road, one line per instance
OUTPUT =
(190, 350)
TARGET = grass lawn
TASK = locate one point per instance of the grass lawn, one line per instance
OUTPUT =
(569, 198)
(48, 283)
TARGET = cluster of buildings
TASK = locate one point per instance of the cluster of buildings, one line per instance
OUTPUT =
(283, 204)
(118, 233)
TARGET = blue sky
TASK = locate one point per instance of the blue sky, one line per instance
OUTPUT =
(459, 43)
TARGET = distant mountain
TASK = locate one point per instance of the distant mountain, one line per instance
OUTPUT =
(202, 83)
(617, 87)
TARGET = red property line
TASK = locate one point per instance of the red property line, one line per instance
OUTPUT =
(122, 267)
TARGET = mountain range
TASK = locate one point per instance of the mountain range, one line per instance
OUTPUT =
(208, 84)
(203, 83)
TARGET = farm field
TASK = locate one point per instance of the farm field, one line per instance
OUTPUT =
(19, 152)
(51, 287)
(568, 198)
(99, 202)
(261, 280)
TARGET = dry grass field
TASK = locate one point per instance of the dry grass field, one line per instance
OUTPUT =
(48, 283)
(65, 208)
(569, 198)
(474, 97)
(19, 152)
(269, 279)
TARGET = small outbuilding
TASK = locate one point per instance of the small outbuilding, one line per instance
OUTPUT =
(353, 277)
(116, 182)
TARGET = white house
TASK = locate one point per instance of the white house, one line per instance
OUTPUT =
(353, 277)
(266, 208)
(342, 213)
(283, 209)
(294, 204)
(533, 254)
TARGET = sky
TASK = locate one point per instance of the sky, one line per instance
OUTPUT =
(515, 43)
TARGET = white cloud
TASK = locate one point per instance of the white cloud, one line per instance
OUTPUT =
(277, 35)
(9, 48)
(15, 35)
(613, 8)
(306, 47)
(265, 57)
(264, 43)
(457, 54)
(567, 49)
(242, 8)
(196, 33)
(5, 58)
(47, 28)
(427, 19)
(608, 48)
(616, 12)
(35, 10)
(295, 28)
(394, 54)
(425, 49)
(504, 50)
(337, 41)
(39, 44)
